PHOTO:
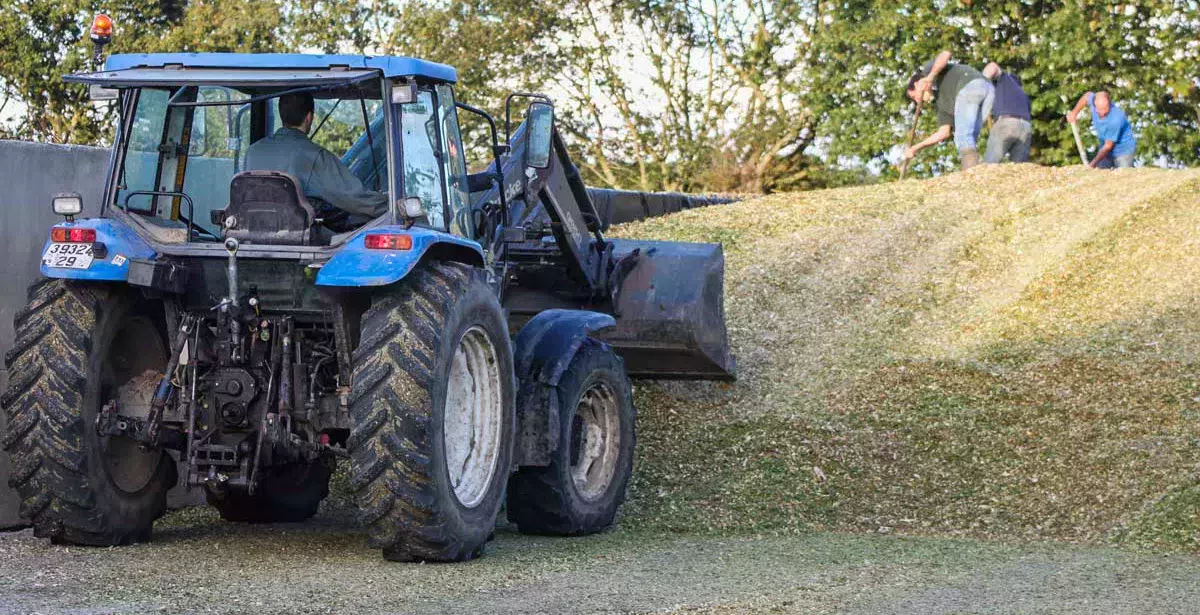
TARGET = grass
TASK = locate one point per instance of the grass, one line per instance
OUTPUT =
(1009, 352)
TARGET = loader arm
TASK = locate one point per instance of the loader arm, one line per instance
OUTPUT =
(667, 297)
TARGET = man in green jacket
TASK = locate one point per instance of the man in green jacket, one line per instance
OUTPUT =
(963, 99)
(323, 178)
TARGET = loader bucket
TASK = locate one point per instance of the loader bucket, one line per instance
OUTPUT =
(670, 312)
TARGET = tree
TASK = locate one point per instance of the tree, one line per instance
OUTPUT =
(46, 39)
(691, 95)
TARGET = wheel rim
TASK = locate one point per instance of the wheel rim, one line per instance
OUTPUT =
(130, 376)
(595, 441)
(473, 417)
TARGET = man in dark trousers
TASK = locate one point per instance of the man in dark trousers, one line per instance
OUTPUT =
(1012, 130)
(963, 99)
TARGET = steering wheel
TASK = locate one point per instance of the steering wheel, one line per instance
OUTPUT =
(464, 222)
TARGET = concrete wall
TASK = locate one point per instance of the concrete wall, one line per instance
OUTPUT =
(29, 174)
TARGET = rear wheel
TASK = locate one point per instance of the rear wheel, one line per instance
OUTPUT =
(285, 494)
(433, 411)
(79, 346)
(585, 483)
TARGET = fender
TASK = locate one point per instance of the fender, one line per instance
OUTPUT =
(121, 244)
(356, 266)
(542, 351)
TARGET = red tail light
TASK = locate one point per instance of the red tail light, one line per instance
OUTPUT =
(388, 241)
(72, 235)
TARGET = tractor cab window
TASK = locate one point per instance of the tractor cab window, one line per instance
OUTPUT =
(339, 125)
(455, 164)
(182, 146)
(179, 160)
(421, 175)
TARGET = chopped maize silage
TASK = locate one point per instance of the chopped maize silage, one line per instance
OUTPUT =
(1006, 352)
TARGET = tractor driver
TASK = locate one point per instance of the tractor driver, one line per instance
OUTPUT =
(323, 177)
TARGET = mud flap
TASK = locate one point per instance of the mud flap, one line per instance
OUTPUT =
(670, 312)
(542, 351)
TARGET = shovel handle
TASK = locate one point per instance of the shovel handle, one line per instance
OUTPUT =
(1079, 143)
(912, 133)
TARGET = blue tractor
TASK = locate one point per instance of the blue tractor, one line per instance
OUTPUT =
(469, 348)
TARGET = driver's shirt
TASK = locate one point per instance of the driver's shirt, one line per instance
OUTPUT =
(322, 175)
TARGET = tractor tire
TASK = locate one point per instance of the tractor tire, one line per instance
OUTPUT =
(585, 483)
(77, 346)
(433, 409)
(287, 494)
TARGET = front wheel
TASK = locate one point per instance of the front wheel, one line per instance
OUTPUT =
(585, 483)
(432, 402)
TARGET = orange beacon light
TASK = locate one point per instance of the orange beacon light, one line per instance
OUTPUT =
(102, 29)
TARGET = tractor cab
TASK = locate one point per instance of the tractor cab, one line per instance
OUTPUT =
(184, 166)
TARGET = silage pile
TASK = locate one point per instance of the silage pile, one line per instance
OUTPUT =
(1007, 352)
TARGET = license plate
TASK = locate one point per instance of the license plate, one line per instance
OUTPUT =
(68, 255)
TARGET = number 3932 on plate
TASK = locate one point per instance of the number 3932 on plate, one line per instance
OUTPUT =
(68, 255)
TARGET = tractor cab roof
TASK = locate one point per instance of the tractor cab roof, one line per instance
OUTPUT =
(277, 68)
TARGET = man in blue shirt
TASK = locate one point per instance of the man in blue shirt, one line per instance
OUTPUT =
(1012, 132)
(1112, 128)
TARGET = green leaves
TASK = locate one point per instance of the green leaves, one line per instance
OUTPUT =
(695, 95)
(46, 39)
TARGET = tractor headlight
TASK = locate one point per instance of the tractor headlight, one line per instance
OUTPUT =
(67, 204)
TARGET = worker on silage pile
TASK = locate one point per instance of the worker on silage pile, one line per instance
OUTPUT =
(963, 98)
(1012, 130)
(1112, 128)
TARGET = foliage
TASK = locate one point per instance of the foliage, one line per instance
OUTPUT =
(691, 95)
(46, 39)
(1144, 51)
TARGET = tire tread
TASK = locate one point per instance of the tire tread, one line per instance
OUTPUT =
(391, 407)
(45, 436)
(539, 501)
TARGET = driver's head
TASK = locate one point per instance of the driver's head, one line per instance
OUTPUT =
(296, 111)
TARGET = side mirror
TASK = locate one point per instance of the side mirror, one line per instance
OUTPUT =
(538, 130)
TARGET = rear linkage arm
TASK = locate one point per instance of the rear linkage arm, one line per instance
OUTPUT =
(148, 432)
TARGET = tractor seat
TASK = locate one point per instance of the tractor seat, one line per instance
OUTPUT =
(268, 207)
